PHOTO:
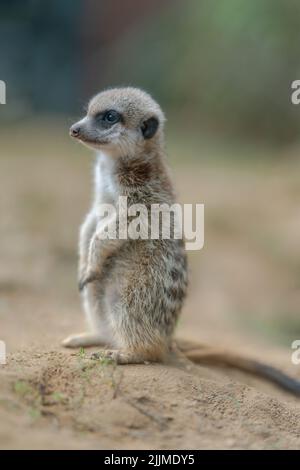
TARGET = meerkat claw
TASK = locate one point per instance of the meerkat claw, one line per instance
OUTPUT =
(106, 354)
(87, 280)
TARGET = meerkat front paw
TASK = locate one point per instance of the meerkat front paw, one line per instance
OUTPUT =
(72, 341)
(83, 340)
(120, 357)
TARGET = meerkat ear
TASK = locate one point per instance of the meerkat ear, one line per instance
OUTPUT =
(149, 127)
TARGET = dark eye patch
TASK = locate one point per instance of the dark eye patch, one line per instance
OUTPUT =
(109, 117)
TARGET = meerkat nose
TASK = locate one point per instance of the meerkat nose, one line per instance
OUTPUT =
(75, 130)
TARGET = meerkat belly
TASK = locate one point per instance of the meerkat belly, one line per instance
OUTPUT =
(145, 285)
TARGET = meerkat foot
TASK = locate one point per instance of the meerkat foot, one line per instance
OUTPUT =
(83, 340)
(121, 357)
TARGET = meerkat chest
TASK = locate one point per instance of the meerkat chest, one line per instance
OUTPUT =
(106, 188)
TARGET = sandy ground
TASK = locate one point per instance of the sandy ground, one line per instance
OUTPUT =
(244, 295)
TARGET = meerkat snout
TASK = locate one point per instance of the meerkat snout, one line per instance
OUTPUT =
(120, 120)
(74, 130)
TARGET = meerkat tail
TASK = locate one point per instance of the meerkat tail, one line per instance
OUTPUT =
(203, 354)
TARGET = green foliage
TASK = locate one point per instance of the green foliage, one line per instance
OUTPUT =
(227, 65)
(222, 66)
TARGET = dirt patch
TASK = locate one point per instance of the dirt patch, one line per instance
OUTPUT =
(244, 295)
(67, 400)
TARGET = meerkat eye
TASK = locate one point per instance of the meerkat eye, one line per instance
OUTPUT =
(111, 116)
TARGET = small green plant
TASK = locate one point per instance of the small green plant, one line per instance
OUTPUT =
(32, 396)
(106, 361)
(34, 413)
(57, 397)
(36, 398)
(81, 353)
(23, 388)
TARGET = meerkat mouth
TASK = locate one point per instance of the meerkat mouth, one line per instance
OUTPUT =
(86, 140)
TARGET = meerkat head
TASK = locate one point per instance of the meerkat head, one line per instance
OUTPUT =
(120, 121)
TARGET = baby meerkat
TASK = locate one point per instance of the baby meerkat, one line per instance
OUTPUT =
(133, 289)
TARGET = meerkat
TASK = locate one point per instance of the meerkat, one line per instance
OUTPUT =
(133, 289)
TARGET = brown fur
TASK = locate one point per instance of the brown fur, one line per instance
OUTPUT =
(134, 171)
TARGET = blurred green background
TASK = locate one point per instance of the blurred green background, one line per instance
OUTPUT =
(222, 71)
(224, 66)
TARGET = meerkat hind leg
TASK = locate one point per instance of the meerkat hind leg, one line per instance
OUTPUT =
(125, 357)
(83, 340)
